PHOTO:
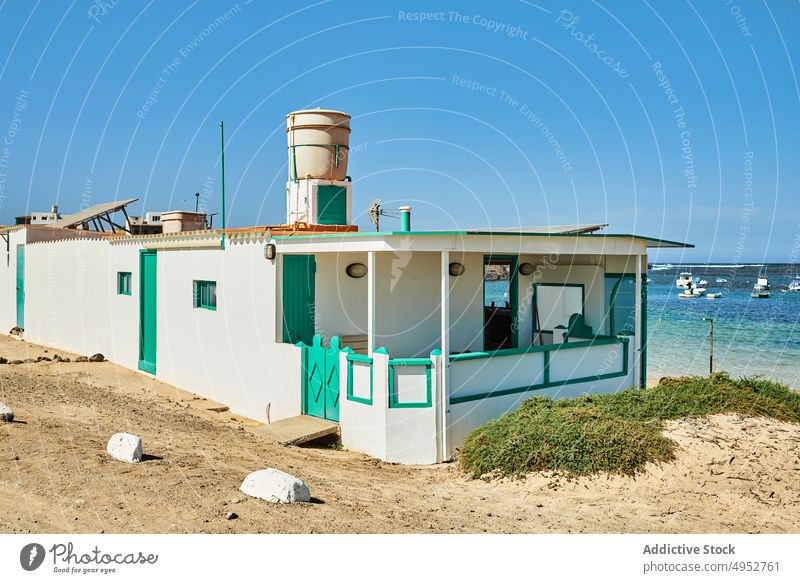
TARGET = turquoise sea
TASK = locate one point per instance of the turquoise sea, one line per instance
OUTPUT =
(752, 337)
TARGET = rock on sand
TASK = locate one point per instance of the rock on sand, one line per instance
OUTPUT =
(125, 447)
(6, 414)
(275, 486)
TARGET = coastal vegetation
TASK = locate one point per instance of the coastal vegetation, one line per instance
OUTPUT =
(616, 433)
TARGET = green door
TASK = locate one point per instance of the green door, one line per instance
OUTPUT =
(21, 286)
(298, 298)
(331, 205)
(147, 311)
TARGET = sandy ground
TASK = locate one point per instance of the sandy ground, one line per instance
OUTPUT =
(733, 473)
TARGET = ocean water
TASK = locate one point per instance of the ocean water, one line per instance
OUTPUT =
(752, 337)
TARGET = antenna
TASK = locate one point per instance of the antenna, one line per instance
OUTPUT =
(376, 211)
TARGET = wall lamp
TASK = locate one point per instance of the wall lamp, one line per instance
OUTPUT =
(456, 269)
(356, 270)
(270, 251)
(526, 268)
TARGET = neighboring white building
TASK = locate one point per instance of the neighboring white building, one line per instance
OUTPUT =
(399, 337)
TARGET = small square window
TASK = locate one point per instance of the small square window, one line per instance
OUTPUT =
(205, 294)
(124, 283)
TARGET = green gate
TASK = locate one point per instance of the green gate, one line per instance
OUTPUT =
(321, 379)
(21, 287)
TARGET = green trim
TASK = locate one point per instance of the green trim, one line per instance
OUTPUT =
(124, 279)
(547, 383)
(536, 304)
(664, 242)
(351, 358)
(395, 362)
(643, 340)
(596, 341)
(202, 294)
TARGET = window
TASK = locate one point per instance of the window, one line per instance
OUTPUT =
(620, 304)
(124, 283)
(205, 294)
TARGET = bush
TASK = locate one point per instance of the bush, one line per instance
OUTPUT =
(617, 433)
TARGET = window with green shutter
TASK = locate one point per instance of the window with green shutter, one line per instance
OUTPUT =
(205, 294)
(124, 283)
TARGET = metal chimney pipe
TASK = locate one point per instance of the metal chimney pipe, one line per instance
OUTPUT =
(405, 219)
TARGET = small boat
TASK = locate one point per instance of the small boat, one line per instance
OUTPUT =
(762, 283)
(759, 294)
(714, 296)
(794, 286)
(697, 292)
(722, 280)
(702, 282)
(684, 279)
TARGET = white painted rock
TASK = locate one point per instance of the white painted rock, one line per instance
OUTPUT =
(6, 414)
(275, 486)
(125, 447)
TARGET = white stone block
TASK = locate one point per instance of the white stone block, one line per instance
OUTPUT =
(125, 447)
(275, 486)
(6, 414)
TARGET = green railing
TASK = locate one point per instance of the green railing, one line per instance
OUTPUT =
(547, 350)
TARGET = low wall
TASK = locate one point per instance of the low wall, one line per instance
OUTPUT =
(389, 407)
(484, 386)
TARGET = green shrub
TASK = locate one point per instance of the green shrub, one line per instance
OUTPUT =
(617, 433)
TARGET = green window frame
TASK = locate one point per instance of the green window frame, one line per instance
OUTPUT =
(205, 294)
(124, 283)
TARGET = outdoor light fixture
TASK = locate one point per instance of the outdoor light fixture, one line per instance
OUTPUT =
(456, 269)
(526, 268)
(356, 270)
(270, 251)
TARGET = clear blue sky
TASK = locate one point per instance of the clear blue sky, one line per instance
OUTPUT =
(670, 119)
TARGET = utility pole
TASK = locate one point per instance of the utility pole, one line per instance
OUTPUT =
(222, 165)
(711, 354)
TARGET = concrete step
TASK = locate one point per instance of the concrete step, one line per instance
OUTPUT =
(298, 430)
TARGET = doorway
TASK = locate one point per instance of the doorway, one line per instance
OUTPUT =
(500, 320)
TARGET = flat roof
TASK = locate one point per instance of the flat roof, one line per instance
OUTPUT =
(651, 242)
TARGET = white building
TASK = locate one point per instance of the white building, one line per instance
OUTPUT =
(399, 337)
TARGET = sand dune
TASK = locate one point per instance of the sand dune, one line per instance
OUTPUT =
(732, 473)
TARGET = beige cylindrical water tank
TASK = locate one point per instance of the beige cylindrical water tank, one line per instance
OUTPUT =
(319, 144)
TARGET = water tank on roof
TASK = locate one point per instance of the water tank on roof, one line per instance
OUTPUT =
(319, 144)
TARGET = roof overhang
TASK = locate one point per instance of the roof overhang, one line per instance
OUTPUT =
(474, 241)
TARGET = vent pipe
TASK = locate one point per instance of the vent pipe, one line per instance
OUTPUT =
(405, 219)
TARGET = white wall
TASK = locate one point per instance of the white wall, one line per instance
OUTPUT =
(407, 302)
(341, 301)
(466, 304)
(228, 355)
(68, 287)
(124, 310)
